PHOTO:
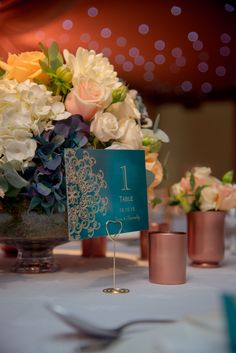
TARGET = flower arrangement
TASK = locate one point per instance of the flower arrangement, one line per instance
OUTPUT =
(50, 101)
(198, 190)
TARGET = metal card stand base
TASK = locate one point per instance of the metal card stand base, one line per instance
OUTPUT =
(114, 289)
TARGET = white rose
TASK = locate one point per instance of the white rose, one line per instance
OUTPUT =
(105, 127)
(119, 146)
(131, 134)
(208, 198)
(177, 189)
(201, 172)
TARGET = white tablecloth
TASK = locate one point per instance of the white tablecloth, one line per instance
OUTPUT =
(27, 327)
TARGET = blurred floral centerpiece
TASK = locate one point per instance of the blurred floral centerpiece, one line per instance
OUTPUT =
(50, 101)
(205, 199)
(199, 190)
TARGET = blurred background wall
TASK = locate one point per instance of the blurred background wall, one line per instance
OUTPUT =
(180, 56)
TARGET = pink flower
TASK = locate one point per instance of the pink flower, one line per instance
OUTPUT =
(227, 197)
(86, 99)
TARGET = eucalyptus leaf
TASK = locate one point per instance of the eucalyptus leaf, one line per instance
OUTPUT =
(43, 48)
(35, 201)
(3, 183)
(13, 177)
(53, 51)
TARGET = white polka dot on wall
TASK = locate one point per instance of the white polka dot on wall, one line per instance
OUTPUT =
(149, 66)
(159, 44)
(186, 86)
(107, 52)
(220, 71)
(229, 8)
(143, 28)
(67, 25)
(85, 37)
(176, 10)
(159, 59)
(225, 51)
(133, 52)
(206, 87)
(148, 76)
(92, 11)
(139, 60)
(121, 41)
(176, 52)
(192, 36)
(128, 66)
(202, 67)
(120, 59)
(198, 45)
(105, 32)
(225, 38)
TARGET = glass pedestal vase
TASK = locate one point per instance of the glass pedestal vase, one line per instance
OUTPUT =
(34, 235)
(206, 238)
(94, 247)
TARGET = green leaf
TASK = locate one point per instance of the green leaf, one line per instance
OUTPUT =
(3, 183)
(44, 66)
(2, 72)
(192, 182)
(13, 177)
(43, 48)
(35, 201)
(53, 51)
(174, 202)
(156, 201)
(228, 177)
(55, 63)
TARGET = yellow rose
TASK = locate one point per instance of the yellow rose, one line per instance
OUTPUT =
(24, 66)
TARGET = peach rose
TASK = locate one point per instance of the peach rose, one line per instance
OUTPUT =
(86, 99)
(227, 197)
(24, 66)
(153, 165)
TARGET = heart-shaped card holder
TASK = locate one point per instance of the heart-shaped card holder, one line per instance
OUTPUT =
(113, 229)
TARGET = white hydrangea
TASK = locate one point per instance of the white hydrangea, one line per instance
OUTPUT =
(26, 110)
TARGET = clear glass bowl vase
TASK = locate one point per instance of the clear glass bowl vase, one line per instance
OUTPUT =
(34, 235)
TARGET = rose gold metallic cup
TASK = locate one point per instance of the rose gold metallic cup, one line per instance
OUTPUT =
(206, 238)
(94, 247)
(144, 242)
(167, 257)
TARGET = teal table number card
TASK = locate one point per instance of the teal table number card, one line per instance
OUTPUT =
(105, 185)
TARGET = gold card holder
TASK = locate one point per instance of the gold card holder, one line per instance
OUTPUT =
(113, 237)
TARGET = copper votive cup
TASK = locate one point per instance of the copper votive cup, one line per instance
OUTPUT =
(144, 242)
(167, 257)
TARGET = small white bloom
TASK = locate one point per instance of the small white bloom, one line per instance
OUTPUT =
(105, 127)
(126, 109)
(119, 146)
(131, 133)
(208, 198)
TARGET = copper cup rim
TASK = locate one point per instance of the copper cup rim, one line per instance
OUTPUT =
(167, 233)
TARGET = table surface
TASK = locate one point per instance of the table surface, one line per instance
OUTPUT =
(28, 327)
